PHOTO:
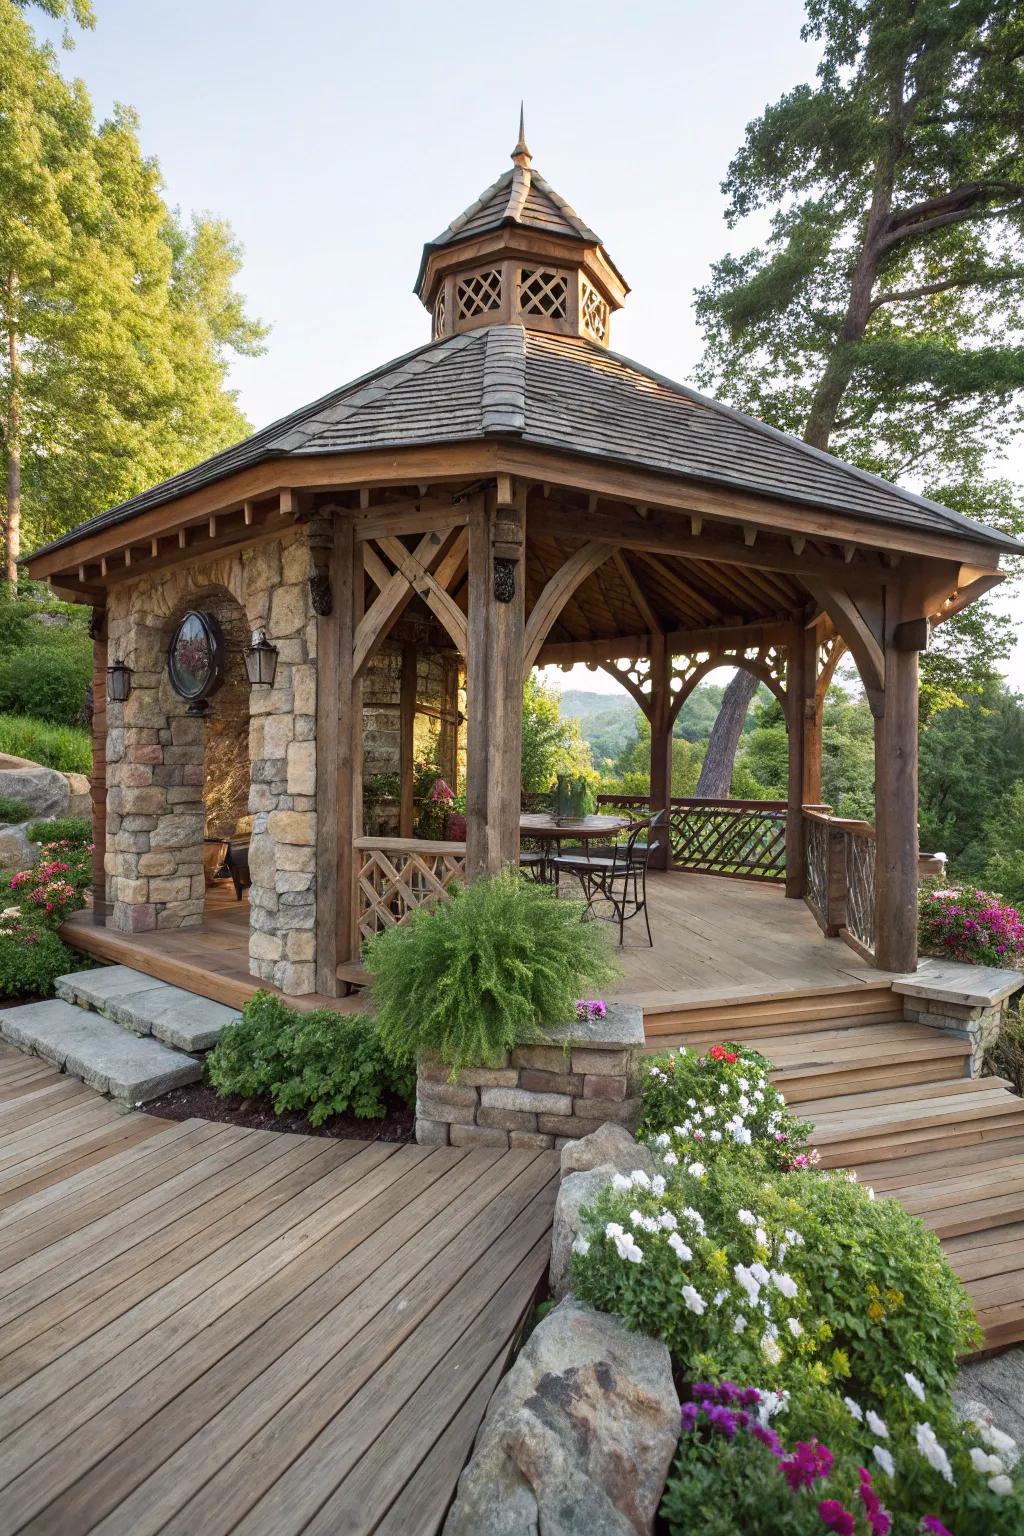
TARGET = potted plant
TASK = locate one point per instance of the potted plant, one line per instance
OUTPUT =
(573, 800)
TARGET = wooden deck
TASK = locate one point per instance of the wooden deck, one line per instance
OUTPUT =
(713, 938)
(207, 1329)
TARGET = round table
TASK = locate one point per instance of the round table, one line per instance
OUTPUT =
(545, 828)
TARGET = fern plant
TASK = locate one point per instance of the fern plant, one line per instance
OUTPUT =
(484, 971)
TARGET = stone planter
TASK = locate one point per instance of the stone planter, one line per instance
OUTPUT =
(542, 1095)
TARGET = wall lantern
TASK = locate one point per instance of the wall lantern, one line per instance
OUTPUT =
(261, 660)
(119, 682)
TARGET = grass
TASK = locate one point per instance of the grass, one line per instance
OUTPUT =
(12, 811)
(65, 747)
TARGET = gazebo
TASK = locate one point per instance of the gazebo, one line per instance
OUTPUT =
(513, 493)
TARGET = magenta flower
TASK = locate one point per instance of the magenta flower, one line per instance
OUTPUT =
(835, 1517)
(934, 1526)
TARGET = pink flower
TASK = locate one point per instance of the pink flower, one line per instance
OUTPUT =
(835, 1517)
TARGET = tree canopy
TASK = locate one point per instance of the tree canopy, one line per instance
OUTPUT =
(119, 316)
(883, 316)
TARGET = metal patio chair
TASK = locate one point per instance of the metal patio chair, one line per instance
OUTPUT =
(615, 886)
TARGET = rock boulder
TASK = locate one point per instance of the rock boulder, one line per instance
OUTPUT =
(575, 1191)
(610, 1143)
(578, 1437)
(44, 791)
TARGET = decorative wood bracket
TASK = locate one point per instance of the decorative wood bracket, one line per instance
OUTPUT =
(320, 535)
(427, 570)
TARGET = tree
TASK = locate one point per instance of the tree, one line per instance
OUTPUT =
(1004, 871)
(971, 756)
(717, 769)
(550, 745)
(117, 319)
(882, 317)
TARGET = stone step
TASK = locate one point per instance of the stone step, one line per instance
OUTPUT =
(147, 1006)
(103, 1054)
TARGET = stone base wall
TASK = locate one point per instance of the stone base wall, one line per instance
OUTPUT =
(156, 754)
(979, 1026)
(541, 1095)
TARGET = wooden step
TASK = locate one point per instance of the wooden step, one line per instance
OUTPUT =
(353, 975)
(794, 1012)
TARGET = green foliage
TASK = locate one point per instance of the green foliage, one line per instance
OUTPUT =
(867, 1287)
(1004, 836)
(970, 758)
(127, 314)
(13, 811)
(484, 971)
(702, 1106)
(48, 682)
(320, 1062)
(31, 959)
(550, 744)
(76, 830)
(66, 747)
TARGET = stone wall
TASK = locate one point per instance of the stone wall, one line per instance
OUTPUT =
(963, 1000)
(156, 756)
(540, 1095)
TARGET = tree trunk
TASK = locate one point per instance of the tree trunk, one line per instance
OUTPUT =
(12, 442)
(716, 772)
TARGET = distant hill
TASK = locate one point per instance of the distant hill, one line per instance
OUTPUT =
(607, 720)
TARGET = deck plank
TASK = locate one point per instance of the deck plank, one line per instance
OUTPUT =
(187, 1317)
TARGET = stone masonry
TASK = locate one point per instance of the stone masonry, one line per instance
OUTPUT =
(963, 1000)
(155, 759)
(541, 1095)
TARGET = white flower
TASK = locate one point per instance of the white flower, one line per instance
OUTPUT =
(636, 1218)
(670, 1159)
(917, 1387)
(658, 1185)
(876, 1425)
(628, 1249)
(854, 1409)
(744, 1102)
(723, 1089)
(719, 1297)
(761, 1236)
(739, 1323)
(638, 1177)
(744, 1085)
(747, 1218)
(884, 1459)
(1001, 1485)
(663, 1140)
(984, 1461)
(698, 1135)
(758, 1095)
(795, 1327)
(694, 1218)
(613, 1230)
(709, 1111)
(691, 1103)
(933, 1452)
(581, 1245)
(682, 1252)
(760, 1274)
(771, 1350)
(621, 1184)
(793, 1236)
(997, 1439)
(697, 1169)
(668, 1221)
(871, 1193)
(715, 1135)
(740, 1135)
(694, 1300)
(746, 1279)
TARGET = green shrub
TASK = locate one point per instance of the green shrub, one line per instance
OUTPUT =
(704, 1106)
(32, 957)
(781, 1280)
(483, 971)
(65, 747)
(71, 829)
(1005, 1057)
(12, 810)
(47, 681)
(322, 1062)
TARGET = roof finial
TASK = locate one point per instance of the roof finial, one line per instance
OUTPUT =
(521, 155)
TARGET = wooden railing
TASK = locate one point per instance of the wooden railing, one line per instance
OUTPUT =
(395, 875)
(840, 870)
(745, 839)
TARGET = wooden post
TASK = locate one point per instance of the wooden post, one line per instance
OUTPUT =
(448, 734)
(494, 665)
(797, 687)
(896, 844)
(477, 733)
(661, 741)
(406, 723)
(98, 779)
(813, 711)
(338, 797)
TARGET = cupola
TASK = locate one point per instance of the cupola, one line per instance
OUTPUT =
(520, 254)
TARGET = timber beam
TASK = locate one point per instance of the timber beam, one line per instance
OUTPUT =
(679, 642)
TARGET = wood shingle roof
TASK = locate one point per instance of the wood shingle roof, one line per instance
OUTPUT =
(568, 394)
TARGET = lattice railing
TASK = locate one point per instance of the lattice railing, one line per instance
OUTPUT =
(742, 838)
(396, 875)
(840, 866)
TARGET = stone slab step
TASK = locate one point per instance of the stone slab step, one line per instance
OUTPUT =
(105, 1056)
(147, 1006)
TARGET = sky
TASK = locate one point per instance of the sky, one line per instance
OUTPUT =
(336, 138)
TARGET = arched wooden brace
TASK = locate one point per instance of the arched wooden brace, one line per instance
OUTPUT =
(556, 594)
(741, 664)
(862, 633)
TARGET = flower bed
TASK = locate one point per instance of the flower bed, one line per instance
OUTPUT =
(837, 1314)
(970, 925)
(32, 955)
